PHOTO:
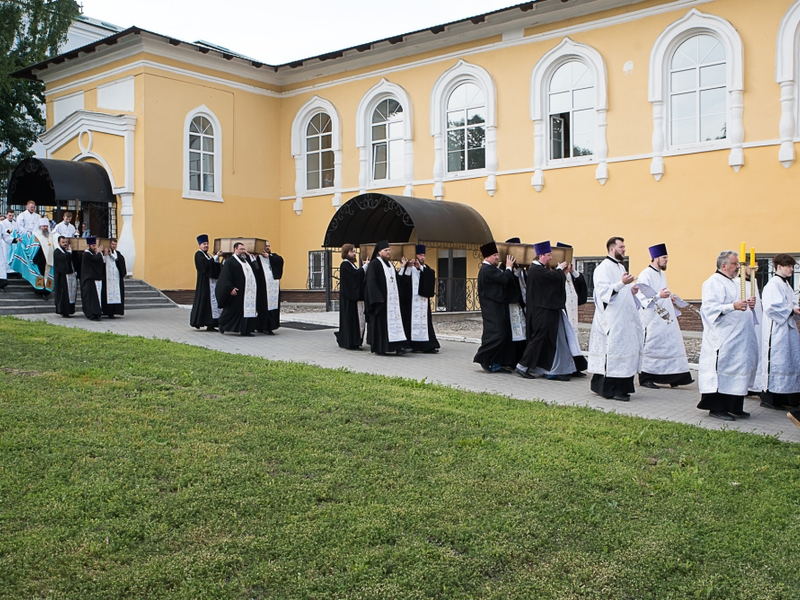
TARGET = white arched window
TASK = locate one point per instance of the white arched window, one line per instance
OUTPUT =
(464, 126)
(696, 88)
(202, 167)
(569, 104)
(786, 75)
(317, 152)
(384, 136)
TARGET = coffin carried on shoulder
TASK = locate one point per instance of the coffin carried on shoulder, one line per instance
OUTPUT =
(399, 250)
(79, 244)
(252, 245)
(525, 254)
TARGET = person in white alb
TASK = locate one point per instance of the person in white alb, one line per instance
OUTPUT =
(6, 237)
(65, 228)
(28, 220)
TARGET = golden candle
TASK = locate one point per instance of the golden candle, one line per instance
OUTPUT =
(752, 257)
(743, 253)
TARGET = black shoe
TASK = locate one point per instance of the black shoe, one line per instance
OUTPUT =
(431, 351)
(270, 332)
(210, 328)
(622, 397)
(401, 351)
(524, 374)
(741, 415)
(722, 416)
(557, 378)
(578, 374)
(247, 335)
(794, 417)
(649, 385)
(768, 405)
(94, 318)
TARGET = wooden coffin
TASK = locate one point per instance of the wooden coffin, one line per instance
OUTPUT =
(525, 254)
(399, 250)
(79, 244)
(252, 245)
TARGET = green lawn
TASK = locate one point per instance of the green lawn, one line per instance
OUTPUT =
(136, 468)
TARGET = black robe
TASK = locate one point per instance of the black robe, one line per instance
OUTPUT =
(62, 269)
(267, 320)
(207, 268)
(351, 291)
(375, 309)
(427, 289)
(92, 269)
(116, 309)
(547, 298)
(232, 276)
(495, 287)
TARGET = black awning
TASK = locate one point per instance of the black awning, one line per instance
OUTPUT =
(370, 218)
(48, 182)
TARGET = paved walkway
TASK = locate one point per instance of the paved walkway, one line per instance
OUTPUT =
(453, 367)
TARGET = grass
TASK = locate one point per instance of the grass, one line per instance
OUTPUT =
(133, 468)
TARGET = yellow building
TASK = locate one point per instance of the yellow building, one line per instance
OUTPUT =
(668, 121)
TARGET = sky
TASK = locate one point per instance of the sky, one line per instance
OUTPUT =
(281, 31)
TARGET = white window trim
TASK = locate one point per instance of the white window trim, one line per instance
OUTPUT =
(299, 125)
(566, 51)
(374, 96)
(188, 193)
(786, 66)
(448, 81)
(694, 23)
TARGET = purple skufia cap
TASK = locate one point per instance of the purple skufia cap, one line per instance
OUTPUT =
(542, 248)
(514, 240)
(202, 239)
(658, 250)
(420, 249)
(562, 245)
(488, 249)
(91, 241)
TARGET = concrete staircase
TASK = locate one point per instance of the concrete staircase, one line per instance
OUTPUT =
(19, 298)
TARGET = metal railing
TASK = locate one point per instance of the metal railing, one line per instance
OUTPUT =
(453, 295)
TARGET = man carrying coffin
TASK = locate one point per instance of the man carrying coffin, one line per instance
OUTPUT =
(92, 276)
(729, 351)
(577, 292)
(65, 282)
(664, 354)
(268, 270)
(615, 343)
(382, 303)
(236, 293)
(495, 287)
(205, 311)
(417, 287)
(114, 288)
(351, 300)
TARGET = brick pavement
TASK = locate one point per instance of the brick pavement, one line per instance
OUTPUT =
(453, 367)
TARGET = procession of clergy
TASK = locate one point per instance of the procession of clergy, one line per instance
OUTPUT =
(45, 260)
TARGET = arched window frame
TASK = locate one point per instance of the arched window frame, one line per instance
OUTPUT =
(299, 125)
(449, 80)
(541, 75)
(694, 23)
(786, 76)
(188, 193)
(375, 95)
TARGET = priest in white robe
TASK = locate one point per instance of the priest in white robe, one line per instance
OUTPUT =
(268, 268)
(664, 353)
(417, 285)
(65, 228)
(114, 285)
(751, 287)
(28, 220)
(7, 227)
(729, 352)
(385, 331)
(615, 343)
(779, 367)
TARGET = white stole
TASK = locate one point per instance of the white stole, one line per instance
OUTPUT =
(273, 285)
(114, 296)
(212, 288)
(394, 319)
(72, 282)
(419, 310)
(517, 322)
(249, 290)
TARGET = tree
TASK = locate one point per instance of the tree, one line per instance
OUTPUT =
(30, 31)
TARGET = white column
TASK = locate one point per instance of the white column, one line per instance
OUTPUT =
(491, 160)
(363, 168)
(788, 124)
(736, 130)
(336, 201)
(659, 143)
(126, 244)
(299, 175)
(408, 168)
(537, 181)
(438, 167)
(601, 153)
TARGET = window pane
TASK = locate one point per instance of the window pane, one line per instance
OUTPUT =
(379, 171)
(581, 75)
(562, 79)
(455, 140)
(327, 178)
(709, 49)
(684, 131)
(583, 121)
(477, 159)
(396, 159)
(474, 95)
(379, 114)
(194, 161)
(557, 137)
(312, 180)
(208, 144)
(475, 116)
(712, 102)
(312, 143)
(326, 123)
(455, 161)
(208, 163)
(327, 160)
(680, 81)
(205, 126)
(714, 75)
(686, 54)
(313, 125)
(393, 107)
(713, 127)
(582, 144)
(194, 127)
(476, 137)
(683, 106)
(380, 152)
(326, 141)
(379, 132)
(395, 130)
(194, 142)
(455, 119)
(560, 103)
(583, 98)
(208, 183)
(458, 99)
(194, 182)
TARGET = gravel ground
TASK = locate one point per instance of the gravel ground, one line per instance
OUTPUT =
(472, 328)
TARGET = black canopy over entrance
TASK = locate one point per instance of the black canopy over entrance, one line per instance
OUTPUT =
(58, 185)
(370, 218)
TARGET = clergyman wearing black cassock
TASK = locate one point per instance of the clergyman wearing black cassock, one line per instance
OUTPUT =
(351, 292)
(205, 312)
(63, 272)
(113, 278)
(92, 272)
(268, 269)
(233, 307)
(495, 287)
(426, 288)
(382, 305)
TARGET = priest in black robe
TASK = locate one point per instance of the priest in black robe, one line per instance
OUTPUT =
(205, 312)
(382, 304)
(236, 293)
(92, 275)
(495, 289)
(351, 300)
(114, 282)
(65, 283)
(268, 269)
(417, 285)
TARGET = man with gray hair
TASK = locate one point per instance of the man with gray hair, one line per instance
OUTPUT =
(729, 352)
